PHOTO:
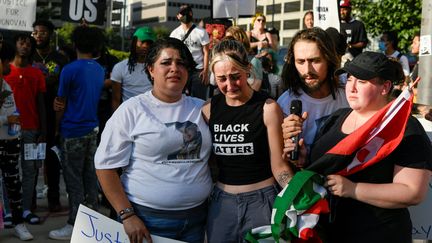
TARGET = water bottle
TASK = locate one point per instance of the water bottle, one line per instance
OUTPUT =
(14, 128)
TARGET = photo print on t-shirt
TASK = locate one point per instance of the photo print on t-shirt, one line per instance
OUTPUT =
(192, 141)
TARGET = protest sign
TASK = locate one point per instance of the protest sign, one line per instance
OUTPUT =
(17, 14)
(91, 226)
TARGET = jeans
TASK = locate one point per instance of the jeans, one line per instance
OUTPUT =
(79, 172)
(185, 226)
(30, 170)
(232, 215)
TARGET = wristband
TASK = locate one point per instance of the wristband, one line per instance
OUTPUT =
(125, 211)
(127, 216)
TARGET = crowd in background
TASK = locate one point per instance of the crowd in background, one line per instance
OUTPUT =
(124, 128)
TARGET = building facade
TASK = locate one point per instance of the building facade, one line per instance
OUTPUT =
(284, 15)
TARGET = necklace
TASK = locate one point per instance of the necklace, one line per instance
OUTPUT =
(43, 58)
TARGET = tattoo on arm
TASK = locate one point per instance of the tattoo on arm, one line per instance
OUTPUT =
(283, 178)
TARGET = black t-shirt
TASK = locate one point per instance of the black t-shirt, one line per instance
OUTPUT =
(240, 141)
(356, 221)
(355, 31)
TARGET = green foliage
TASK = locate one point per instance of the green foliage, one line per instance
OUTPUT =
(113, 39)
(402, 17)
(121, 55)
(161, 32)
(65, 33)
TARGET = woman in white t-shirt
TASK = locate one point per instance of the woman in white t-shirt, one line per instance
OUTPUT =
(162, 143)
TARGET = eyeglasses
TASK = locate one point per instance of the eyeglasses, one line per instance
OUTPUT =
(261, 20)
(41, 33)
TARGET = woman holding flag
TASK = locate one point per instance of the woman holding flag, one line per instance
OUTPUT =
(375, 156)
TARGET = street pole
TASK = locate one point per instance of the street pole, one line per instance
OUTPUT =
(123, 25)
(424, 89)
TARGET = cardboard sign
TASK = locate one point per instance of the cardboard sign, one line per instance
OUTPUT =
(17, 14)
(421, 215)
(326, 14)
(93, 12)
(91, 226)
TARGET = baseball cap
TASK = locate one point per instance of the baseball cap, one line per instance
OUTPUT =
(184, 9)
(145, 34)
(369, 65)
(345, 3)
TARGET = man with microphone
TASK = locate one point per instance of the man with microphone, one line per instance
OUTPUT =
(308, 77)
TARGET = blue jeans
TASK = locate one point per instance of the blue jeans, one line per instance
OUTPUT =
(232, 215)
(184, 225)
(79, 172)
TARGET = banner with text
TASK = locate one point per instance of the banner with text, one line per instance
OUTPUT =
(17, 14)
(93, 12)
(326, 14)
(91, 226)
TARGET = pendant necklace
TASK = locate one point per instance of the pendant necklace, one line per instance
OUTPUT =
(43, 58)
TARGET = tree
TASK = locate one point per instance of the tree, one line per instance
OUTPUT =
(402, 17)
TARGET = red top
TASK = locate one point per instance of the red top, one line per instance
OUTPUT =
(26, 83)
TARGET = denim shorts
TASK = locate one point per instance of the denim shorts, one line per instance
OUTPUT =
(232, 215)
(184, 225)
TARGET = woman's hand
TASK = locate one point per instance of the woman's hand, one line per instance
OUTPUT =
(341, 186)
(136, 230)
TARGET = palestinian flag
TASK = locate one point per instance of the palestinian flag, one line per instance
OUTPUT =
(296, 211)
(297, 208)
(369, 144)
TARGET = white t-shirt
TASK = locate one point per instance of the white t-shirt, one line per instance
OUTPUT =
(163, 149)
(195, 42)
(132, 84)
(403, 60)
(318, 110)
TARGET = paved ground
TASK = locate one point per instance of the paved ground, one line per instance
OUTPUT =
(50, 221)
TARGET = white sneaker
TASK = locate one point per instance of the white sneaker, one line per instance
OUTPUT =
(64, 233)
(22, 232)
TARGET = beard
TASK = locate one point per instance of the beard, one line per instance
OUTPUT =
(42, 45)
(311, 87)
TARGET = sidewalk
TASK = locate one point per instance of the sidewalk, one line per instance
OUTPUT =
(49, 220)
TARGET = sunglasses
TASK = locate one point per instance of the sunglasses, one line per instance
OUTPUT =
(261, 20)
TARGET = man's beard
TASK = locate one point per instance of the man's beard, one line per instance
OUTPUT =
(309, 88)
(42, 45)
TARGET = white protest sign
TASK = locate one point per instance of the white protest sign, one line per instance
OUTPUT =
(421, 215)
(326, 14)
(91, 226)
(233, 8)
(17, 14)
(225, 9)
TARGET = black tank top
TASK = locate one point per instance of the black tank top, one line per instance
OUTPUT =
(240, 142)
(252, 40)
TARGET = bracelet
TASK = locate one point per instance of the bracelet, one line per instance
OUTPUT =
(126, 210)
(127, 216)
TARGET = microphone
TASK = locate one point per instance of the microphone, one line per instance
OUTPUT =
(296, 109)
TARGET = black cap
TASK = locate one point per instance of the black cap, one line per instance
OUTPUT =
(369, 65)
(185, 9)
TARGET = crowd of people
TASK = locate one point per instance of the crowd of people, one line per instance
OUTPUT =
(194, 144)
